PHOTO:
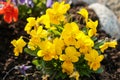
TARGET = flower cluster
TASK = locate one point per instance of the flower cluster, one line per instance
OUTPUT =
(61, 44)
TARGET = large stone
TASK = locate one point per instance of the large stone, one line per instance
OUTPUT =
(114, 5)
(105, 2)
(108, 20)
(88, 1)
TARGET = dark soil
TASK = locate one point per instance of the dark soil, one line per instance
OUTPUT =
(8, 32)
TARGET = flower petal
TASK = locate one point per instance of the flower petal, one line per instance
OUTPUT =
(8, 18)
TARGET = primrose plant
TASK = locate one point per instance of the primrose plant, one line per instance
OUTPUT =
(62, 48)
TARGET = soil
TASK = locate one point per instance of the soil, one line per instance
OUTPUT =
(8, 32)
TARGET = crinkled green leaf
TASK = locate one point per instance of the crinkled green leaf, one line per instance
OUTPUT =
(31, 52)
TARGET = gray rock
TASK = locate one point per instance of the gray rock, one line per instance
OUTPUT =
(108, 20)
(114, 5)
(105, 2)
(88, 1)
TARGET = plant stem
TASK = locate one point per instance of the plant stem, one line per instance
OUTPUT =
(8, 73)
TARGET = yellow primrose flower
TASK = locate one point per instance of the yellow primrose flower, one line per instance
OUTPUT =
(70, 28)
(75, 75)
(61, 8)
(59, 45)
(92, 25)
(55, 17)
(36, 36)
(34, 42)
(47, 51)
(56, 13)
(30, 24)
(71, 54)
(84, 43)
(67, 67)
(84, 13)
(44, 19)
(112, 44)
(80, 35)
(69, 33)
(92, 32)
(84, 47)
(45, 54)
(108, 44)
(94, 59)
(40, 32)
(18, 44)
(70, 40)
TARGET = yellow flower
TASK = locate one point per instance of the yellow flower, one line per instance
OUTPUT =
(36, 36)
(92, 32)
(45, 54)
(84, 13)
(112, 44)
(47, 51)
(75, 75)
(92, 25)
(34, 42)
(69, 33)
(61, 8)
(56, 13)
(44, 19)
(94, 59)
(71, 54)
(18, 44)
(55, 17)
(67, 67)
(59, 45)
(108, 44)
(84, 43)
(30, 24)
(39, 32)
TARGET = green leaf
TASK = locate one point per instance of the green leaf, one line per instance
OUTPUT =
(29, 11)
(39, 4)
(39, 67)
(31, 52)
(60, 74)
(85, 73)
(97, 44)
(100, 70)
(94, 38)
(35, 62)
(35, 1)
(84, 29)
(99, 51)
(56, 33)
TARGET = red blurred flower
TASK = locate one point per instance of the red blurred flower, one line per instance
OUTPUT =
(9, 11)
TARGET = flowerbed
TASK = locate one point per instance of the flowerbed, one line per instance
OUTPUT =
(51, 41)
